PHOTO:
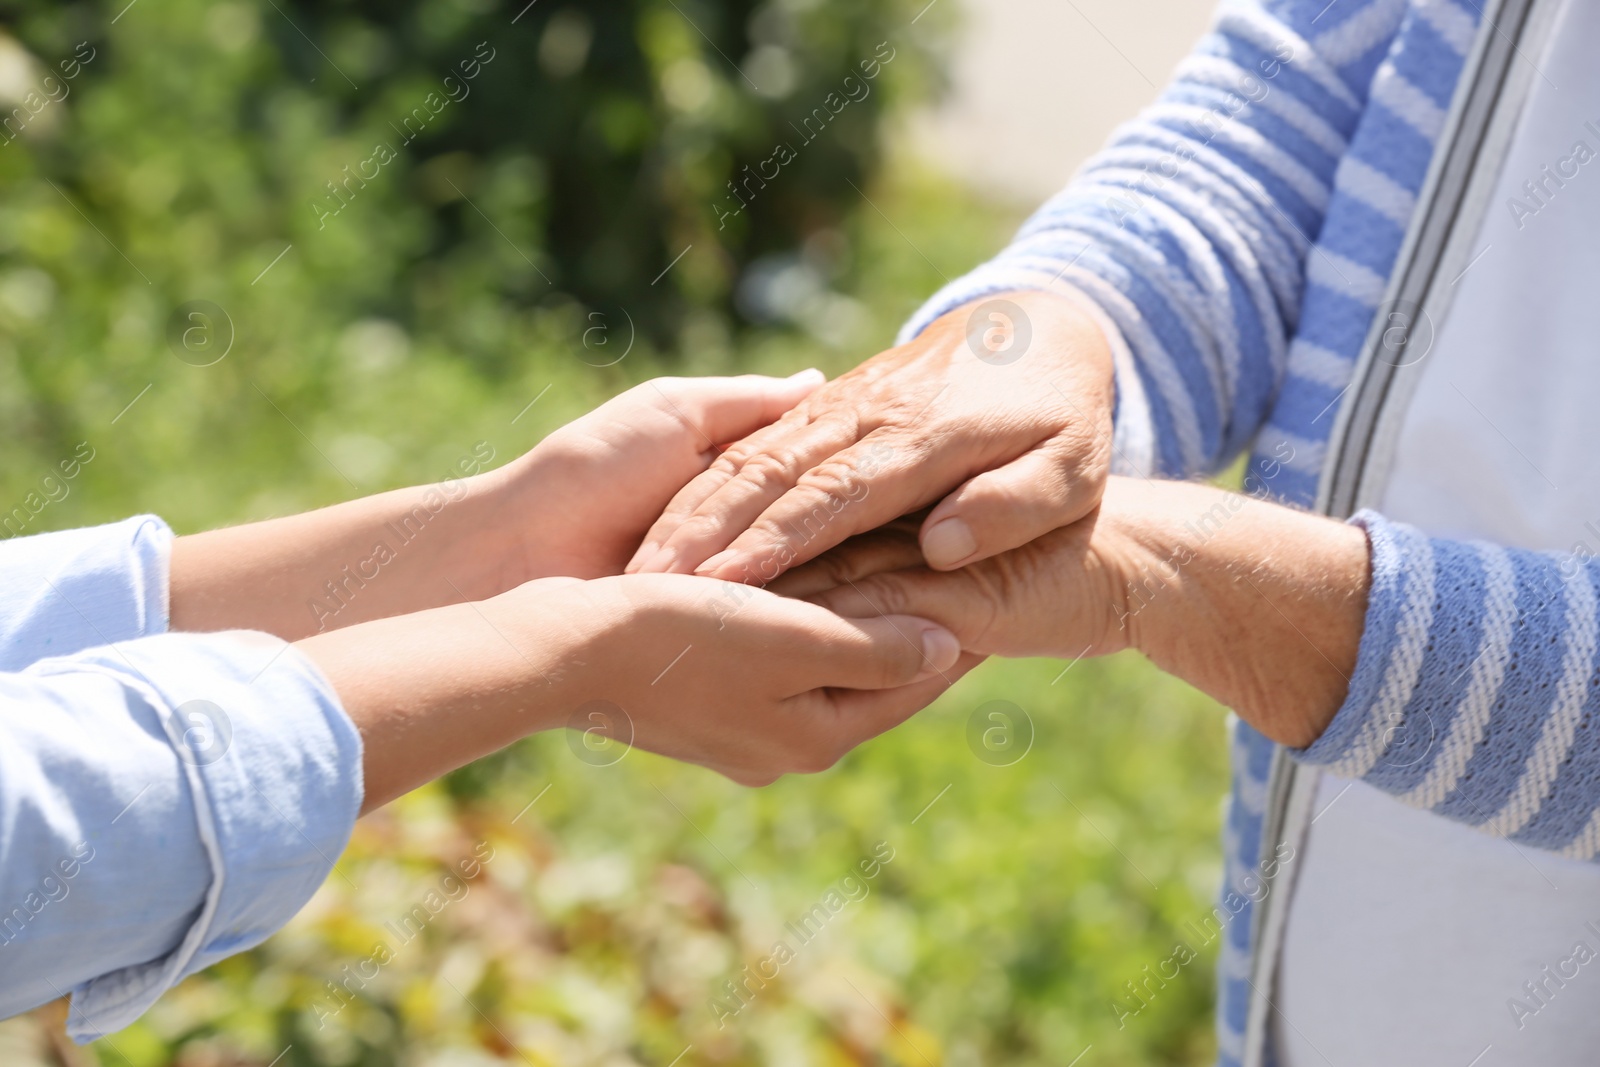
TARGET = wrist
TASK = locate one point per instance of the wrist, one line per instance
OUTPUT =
(434, 690)
(1143, 558)
(535, 536)
(1056, 318)
(497, 531)
(1260, 606)
(569, 639)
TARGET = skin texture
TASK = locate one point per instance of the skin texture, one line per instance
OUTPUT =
(481, 630)
(999, 415)
(789, 688)
(1258, 605)
(576, 505)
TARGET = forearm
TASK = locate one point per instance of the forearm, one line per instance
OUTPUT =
(396, 552)
(432, 691)
(1259, 605)
(646, 660)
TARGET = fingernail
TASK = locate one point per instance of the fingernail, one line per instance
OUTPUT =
(809, 375)
(940, 650)
(710, 566)
(948, 542)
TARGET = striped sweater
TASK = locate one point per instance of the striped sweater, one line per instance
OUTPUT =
(1240, 235)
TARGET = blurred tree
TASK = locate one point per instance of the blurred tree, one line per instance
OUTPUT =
(173, 158)
(595, 141)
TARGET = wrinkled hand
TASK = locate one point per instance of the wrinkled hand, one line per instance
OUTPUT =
(583, 498)
(1006, 401)
(1061, 595)
(1259, 605)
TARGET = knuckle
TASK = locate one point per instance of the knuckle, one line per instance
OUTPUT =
(997, 583)
(772, 469)
(1083, 446)
(887, 596)
(836, 477)
(908, 447)
(733, 457)
(701, 525)
(840, 421)
(801, 414)
(1052, 493)
(708, 481)
(838, 568)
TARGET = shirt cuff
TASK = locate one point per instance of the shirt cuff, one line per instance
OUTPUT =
(64, 592)
(1374, 706)
(273, 768)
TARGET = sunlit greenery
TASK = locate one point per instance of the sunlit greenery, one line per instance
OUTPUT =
(465, 280)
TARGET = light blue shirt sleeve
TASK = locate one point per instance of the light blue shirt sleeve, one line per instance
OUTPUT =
(166, 800)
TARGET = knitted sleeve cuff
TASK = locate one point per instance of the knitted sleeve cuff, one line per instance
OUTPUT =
(1476, 693)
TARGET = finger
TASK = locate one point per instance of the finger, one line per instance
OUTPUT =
(720, 410)
(719, 471)
(948, 600)
(827, 651)
(871, 712)
(878, 479)
(1002, 509)
(717, 410)
(841, 719)
(888, 548)
(761, 478)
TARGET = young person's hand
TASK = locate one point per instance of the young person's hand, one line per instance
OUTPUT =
(1000, 412)
(583, 498)
(577, 504)
(1259, 605)
(782, 686)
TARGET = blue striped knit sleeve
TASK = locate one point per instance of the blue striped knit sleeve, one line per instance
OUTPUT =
(1191, 230)
(1476, 692)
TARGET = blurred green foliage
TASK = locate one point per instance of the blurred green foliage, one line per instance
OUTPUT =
(508, 255)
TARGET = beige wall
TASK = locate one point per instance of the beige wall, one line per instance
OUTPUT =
(1039, 84)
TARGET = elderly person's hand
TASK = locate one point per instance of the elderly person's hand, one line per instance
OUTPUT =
(1260, 606)
(1006, 401)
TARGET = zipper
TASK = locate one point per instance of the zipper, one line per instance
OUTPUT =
(1459, 186)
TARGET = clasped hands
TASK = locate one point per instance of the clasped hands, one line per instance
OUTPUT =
(963, 478)
(728, 565)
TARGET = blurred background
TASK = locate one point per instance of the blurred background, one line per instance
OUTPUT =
(262, 256)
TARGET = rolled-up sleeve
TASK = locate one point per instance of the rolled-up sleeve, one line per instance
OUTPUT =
(166, 800)
(64, 592)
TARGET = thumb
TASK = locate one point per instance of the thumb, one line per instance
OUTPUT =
(1007, 507)
(946, 600)
(883, 652)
